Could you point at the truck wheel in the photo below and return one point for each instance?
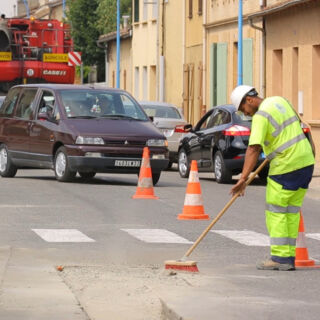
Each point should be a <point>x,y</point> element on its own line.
<point>7,168</point>
<point>61,166</point>
<point>222,174</point>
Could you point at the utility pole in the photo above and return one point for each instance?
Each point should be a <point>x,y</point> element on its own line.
<point>27,8</point>
<point>240,42</point>
<point>118,44</point>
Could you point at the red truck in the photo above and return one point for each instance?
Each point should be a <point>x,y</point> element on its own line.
<point>34,51</point>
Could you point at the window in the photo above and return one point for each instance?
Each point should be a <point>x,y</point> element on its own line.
<point>199,7</point>
<point>190,9</point>
<point>26,104</point>
<point>219,118</point>
<point>9,103</point>
<point>136,11</point>
<point>47,104</point>
<point>93,104</point>
<point>155,9</point>
<point>145,11</point>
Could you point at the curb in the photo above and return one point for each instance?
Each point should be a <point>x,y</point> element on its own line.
<point>167,313</point>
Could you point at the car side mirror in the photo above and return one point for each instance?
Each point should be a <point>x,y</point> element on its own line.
<point>151,118</point>
<point>188,127</point>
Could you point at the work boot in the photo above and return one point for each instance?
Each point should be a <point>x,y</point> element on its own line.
<point>272,265</point>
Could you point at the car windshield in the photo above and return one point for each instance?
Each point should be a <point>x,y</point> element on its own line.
<point>93,104</point>
<point>161,111</point>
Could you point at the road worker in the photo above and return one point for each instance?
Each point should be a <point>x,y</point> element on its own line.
<point>276,130</point>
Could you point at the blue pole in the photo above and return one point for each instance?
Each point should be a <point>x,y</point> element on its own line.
<point>240,58</point>
<point>63,8</point>
<point>118,44</point>
<point>27,8</point>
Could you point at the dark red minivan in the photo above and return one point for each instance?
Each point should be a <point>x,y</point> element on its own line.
<point>71,128</point>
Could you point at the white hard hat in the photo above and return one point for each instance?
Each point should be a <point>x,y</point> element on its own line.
<point>239,93</point>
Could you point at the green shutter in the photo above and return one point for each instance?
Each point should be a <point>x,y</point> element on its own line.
<point>136,10</point>
<point>248,62</point>
<point>222,60</point>
<point>213,74</point>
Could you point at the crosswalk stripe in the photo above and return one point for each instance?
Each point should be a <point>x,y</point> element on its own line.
<point>156,236</point>
<point>315,236</point>
<point>62,235</point>
<point>246,237</point>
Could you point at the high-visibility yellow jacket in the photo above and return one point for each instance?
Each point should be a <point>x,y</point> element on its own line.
<point>276,127</point>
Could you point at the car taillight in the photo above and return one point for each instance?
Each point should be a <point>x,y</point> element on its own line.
<point>237,130</point>
<point>179,128</point>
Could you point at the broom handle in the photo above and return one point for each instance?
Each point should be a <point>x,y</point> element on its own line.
<point>227,206</point>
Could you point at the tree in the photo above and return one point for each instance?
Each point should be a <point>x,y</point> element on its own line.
<point>83,20</point>
<point>107,14</point>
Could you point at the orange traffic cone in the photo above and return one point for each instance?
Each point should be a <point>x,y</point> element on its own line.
<point>145,185</point>
<point>302,256</point>
<point>193,207</point>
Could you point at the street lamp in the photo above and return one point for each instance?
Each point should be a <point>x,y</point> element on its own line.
<point>240,58</point>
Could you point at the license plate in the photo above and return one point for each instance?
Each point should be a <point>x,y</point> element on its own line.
<point>127,163</point>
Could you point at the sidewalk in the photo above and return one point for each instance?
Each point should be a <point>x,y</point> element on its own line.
<point>31,289</point>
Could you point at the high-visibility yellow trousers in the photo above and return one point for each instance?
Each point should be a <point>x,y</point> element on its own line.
<point>282,220</point>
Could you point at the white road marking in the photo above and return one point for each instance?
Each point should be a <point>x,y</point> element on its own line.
<point>315,236</point>
<point>33,206</point>
<point>156,236</point>
<point>246,237</point>
<point>62,235</point>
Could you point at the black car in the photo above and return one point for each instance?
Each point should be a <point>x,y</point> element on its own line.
<point>218,142</point>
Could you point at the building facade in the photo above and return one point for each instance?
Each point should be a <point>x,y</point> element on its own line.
<point>193,66</point>
<point>281,52</point>
<point>41,9</point>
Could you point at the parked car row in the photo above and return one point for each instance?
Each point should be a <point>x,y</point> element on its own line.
<point>85,129</point>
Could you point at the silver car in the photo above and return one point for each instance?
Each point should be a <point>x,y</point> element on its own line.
<point>170,121</point>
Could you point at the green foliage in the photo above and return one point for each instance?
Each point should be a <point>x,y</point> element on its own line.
<point>88,20</point>
<point>82,18</point>
<point>107,14</point>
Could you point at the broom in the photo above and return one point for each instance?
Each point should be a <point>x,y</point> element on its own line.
<point>185,265</point>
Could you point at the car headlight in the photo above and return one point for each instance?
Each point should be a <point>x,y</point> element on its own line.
<point>157,143</point>
<point>89,140</point>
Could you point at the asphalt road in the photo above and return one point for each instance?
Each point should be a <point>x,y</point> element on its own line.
<point>98,223</point>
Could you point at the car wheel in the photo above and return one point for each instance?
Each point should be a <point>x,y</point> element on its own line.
<point>155,178</point>
<point>183,164</point>
<point>222,174</point>
<point>61,166</point>
<point>87,175</point>
<point>7,168</point>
